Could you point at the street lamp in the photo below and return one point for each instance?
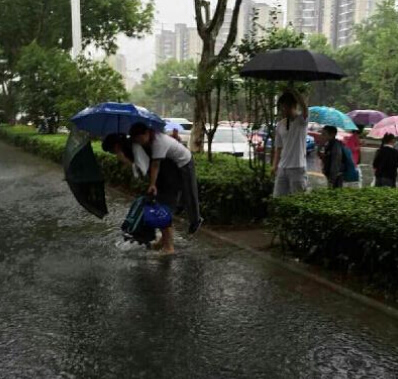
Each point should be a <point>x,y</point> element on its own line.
<point>76,29</point>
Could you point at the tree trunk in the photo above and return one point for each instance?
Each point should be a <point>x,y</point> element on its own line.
<point>209,143</point>
<point>208,30</point>
<point>198,130</point>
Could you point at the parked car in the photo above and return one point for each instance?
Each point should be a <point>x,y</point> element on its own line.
<point>258,140</point>
<point>186,124</point>
<point>229,140</point>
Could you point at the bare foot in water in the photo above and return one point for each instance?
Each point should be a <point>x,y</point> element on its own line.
<point>158,245</point>
<point>165,252</point>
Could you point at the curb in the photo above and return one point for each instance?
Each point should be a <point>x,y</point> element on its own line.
<point>367,301</point>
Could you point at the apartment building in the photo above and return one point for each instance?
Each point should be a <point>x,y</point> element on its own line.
<point>335,19</point>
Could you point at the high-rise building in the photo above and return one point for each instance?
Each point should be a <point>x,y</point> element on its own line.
<point>265,21</point>
<point>268,17</point>
<point>184,42</point>
<point>181,41</point>
<point>343,16</point>
<point>335,19</point>
<point>224,31</point>
<point>165,46</point>
<point>306,16</point>
<point>119,63</point>
<point>194,44</point>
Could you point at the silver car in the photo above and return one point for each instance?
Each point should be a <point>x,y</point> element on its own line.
<point>186,124</point>
<point>230,140</point>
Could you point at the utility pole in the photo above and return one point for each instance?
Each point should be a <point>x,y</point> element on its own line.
<point>76,29</point>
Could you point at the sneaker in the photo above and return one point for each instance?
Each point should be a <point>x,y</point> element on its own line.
<point>193,228</point>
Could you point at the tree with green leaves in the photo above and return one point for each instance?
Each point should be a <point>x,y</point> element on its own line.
<point>370,65</point>
<point>53,86</point>
<point>166,90</point>
<point>48,22</point>
<point>377,37</point>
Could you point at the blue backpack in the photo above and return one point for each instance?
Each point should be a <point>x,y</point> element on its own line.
<point>157,216</point>
<point>134,225</point>
<point>350,173</point>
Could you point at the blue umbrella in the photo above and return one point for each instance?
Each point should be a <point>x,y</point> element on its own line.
<point>332,117</point>
<point>170,126</point>
<point>109,118</point>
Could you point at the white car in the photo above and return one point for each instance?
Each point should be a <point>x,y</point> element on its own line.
<point>186,124</point>
<point>229,140</point>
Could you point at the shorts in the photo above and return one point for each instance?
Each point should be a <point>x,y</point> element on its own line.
<point>290,180</point>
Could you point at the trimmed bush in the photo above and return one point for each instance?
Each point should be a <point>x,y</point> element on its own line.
<point>351,230</point>
<point>228,189</point>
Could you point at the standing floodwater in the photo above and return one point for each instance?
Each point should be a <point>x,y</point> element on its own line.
<point>73,305</point>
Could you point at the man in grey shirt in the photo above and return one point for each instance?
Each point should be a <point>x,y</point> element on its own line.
<point>290,165</point>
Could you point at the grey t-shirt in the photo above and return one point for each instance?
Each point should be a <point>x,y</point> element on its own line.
<point>164,146</point>
<point>293,142</point>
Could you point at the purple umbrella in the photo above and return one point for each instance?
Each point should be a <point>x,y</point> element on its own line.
<point>366,116</point>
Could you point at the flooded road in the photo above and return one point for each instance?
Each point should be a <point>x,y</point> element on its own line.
<point>76,305</point>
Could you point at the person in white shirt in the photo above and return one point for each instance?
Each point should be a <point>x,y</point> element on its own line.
<point>290,165</point>
<point>164,147</point>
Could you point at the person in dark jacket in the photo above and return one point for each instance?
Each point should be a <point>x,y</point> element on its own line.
<point>332,159</point>
<point>385,164</point>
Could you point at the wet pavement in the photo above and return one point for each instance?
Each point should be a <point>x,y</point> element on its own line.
<point>76,304</point>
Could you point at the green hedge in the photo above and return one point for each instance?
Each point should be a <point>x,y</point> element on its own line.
<point>349,230</point>
<point>229,192</point>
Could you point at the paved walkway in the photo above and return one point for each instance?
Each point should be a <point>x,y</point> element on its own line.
<point>75,304</point>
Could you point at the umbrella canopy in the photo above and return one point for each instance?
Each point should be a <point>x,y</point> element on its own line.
<point>332,117</point>
<point>170,126</point>
<point>83,174</point>
<point>366,116</point>
<point>291,65</point>
<point>388,125</point>
<point>115,118</point>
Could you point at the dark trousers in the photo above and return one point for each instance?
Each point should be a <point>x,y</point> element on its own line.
<point>190,191</point>
<point>386,182</point>
<point>337,182</point>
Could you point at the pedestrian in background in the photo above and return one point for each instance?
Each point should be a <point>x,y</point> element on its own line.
<point>385,164</point>
<point>354,144</point>
<point>332,158</point>
<point>290,161</point>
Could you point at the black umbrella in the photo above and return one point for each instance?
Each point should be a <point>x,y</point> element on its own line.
<point>83,174</point>
<point>292,65</point>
